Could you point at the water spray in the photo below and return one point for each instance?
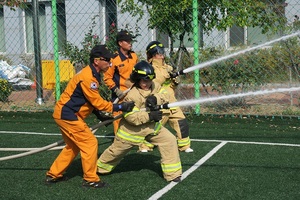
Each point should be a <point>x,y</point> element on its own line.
<point>218,98</point>
<point>164,106</point>
<point>209,63</point>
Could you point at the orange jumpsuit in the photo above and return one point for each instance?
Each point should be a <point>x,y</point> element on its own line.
<point>135,127</point>
<point>176,119</point>
<point>117,74</point>
<point>79,99</point>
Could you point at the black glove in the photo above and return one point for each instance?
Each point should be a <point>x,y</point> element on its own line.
<point>176,80</point>
<point>102,116</point>
<point>126,106</point>
<point>151,102</point>
<point>173,74</point>
<point>155,115</point>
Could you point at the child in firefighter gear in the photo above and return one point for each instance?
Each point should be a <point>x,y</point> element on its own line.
<point>121,69</point>
<point>168,80</point>
<point>80,98</point>
<point>139,124</point>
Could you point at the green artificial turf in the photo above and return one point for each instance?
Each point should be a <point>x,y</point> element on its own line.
<point>251,165</point>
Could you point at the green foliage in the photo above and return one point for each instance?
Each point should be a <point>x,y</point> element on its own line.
<point>82,56</point>
<point>63,86</point>
<point>5,90</point>
<point>104,91</point>
<point>13,4</point>
<point>247,71</point>
<point>175,17</point>
<point>111,38</point>
<point>286,56</point>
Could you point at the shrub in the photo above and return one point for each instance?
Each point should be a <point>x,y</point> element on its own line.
<point>5,90</point>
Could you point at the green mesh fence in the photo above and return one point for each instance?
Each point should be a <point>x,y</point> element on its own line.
<point>44,43</point>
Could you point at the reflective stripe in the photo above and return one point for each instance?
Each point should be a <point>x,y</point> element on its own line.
<point>157,127</point>
<point>135,109</point>
<point>107,167</point>
<point>162,91</point>
<point>184,142</point>
<point>167,82</point>
<point>148,144</point>
<point>171,167</point>
<point>129,137</point>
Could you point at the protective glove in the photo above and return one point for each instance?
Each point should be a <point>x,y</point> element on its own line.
<point>176,74</point>
<point>151,102</point>
<point>173,74</point>
<point>119,93</point>
<point>155,115</point>
<point>124,106</point>
<point>103,116</point>
<point>176,80</point>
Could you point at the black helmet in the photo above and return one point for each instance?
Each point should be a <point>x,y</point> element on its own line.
<point>142,70</point>
<point>154,48</point>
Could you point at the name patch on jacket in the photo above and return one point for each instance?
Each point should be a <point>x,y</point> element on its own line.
<point>94,85</point>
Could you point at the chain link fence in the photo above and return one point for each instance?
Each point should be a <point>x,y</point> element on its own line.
<point>68,29</point>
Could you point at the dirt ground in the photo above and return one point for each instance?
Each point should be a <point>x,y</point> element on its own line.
<point>26,100</point>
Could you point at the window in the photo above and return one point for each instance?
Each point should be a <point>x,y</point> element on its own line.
<point>111,14</point>
<point>61,25</point>
<point>237,36</point>
<point>163,38</point>
<point>2,34</point>
<point>29,28</point>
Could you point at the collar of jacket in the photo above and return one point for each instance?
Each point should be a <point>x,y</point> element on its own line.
<point>146,93</point>
<point>95,73</point>
<point>122,56</point>
<point>157,62</point>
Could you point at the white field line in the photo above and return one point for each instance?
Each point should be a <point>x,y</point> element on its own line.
<point>28,133</point>
<point>245,142</point>
<point>36,133</point>
<point>164,190</point>
<point>102,136</point>
<point>29,149</point>
<point>167,188</point>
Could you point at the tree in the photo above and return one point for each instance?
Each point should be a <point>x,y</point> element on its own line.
<point>13,3</point>
<point>175,17</point>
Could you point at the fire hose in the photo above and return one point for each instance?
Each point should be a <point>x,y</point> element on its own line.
<point>164,106</point>
<point>93,129</point>
<point>58,142</point>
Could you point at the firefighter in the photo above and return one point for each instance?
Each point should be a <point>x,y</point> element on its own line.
<point>139,124</point>
<point>121,69</point>
<point>168,80</point>
<point>80,98</point>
